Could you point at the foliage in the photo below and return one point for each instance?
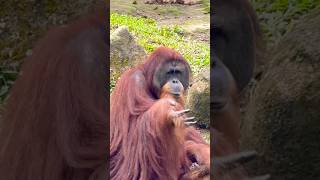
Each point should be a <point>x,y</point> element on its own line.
<point>206,6</point>
<point>277,17</point>
<point>8,75</point>
<point>150,36</point>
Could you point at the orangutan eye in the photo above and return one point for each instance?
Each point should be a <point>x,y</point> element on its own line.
<point>170,72</point>
<point>173,71</point>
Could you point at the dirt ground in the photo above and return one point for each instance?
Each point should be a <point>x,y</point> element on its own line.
<point>192,18</point>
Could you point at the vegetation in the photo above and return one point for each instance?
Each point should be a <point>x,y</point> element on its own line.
<point>8,75</point>
<point>22,22</point>
<point>150,36</point>
<point>277,17</point>
<point>206,5</point>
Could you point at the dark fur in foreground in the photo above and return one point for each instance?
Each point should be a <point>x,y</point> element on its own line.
<point>236,36</point>
<point>56,120</point>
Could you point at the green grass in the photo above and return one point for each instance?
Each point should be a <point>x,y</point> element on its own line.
<point>150,36</point>
<point>206,6</point>
<point>277,17</point>
<point>8,75</point>
<point>206,135</point>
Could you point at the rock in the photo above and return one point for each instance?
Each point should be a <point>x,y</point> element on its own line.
<point>123,47</point>
<point>124,53</point>
<point>198,98</point>
<point>2,25</point>
<point>282,119</point>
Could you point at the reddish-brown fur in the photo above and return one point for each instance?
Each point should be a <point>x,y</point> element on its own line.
<point>196,148</point>
<point>237,24</point>
<point>201,153</point>
<point>143,145</point>
<point>222,148</point>
<point>56,123</point>
<point>165,93</point>
<point>227,120</point>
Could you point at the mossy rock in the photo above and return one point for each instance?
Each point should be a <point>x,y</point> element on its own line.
<point>282,121</point>
<point>198,99</point>
<point>124,53</point>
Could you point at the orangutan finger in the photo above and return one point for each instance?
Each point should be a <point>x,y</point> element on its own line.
<point>182,112</point>
<point>233,161</point>
<point>188,119</point>
<point>190,123</point>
